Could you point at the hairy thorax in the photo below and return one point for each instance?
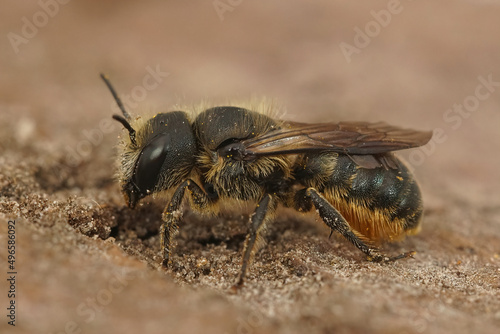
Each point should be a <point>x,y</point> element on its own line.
<point>243,180</point>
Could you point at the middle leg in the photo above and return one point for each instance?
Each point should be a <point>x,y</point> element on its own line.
<point>262,213</point>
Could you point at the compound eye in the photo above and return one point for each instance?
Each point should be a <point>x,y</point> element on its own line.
<point>150,162</point>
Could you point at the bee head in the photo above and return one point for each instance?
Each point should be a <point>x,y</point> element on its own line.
<point>159,155</point>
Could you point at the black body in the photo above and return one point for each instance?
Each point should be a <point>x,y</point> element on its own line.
<point>343,170</point>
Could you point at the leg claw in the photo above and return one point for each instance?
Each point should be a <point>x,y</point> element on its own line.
<point>382,258</point>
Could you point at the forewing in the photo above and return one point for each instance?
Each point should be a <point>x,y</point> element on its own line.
<point>353,138</point>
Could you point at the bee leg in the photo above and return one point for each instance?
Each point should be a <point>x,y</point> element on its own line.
<point>334,220</point>
<point>171,215</point>
<point>257,223</point>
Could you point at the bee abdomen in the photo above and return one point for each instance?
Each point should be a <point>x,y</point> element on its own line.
<point>382,204</point>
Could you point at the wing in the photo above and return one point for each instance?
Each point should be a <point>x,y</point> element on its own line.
<point>352,138</point>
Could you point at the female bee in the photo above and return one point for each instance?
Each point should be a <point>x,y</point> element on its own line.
<point>345,171</point>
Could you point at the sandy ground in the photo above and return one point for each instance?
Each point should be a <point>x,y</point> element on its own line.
<point>87,264</point>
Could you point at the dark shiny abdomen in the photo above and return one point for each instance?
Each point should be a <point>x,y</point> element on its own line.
<point>382,204</point>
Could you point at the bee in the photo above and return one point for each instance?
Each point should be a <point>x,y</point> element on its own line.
<point>345,171</point>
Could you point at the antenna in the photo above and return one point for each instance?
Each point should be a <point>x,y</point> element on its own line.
<point>115,95</point>
<point>127,126</point>
<point>122,120</point>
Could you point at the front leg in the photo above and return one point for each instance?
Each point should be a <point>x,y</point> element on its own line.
<point>171,215</point>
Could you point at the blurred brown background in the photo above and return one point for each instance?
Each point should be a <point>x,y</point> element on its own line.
<point>420,64</point>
